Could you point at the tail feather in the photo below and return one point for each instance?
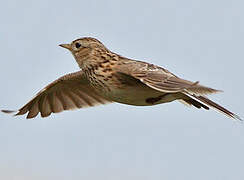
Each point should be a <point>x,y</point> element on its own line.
<point>189,101</point>
<point>207,102</point>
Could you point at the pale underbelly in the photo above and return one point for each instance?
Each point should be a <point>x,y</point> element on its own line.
<point>128,90</point>
<point>139,96</point>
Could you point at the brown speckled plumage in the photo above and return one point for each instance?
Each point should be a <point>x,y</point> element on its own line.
<point>108,77</point>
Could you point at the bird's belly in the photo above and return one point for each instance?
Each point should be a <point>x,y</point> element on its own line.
<point>127,90</point>
<point>139,96</point>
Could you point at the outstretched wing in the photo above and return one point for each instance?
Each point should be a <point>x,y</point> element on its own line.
<point>161,79</point>
<point>71,91</point>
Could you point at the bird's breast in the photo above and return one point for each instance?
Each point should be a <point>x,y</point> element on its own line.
<point>127,91</point>
<point>122,88</point>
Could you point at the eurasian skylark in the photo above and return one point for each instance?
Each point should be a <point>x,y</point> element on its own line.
<point>108,77</point>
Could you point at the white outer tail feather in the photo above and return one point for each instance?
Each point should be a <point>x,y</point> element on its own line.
<point>212,104</point>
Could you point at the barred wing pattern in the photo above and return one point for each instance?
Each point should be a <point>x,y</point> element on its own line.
<point>71,91</point>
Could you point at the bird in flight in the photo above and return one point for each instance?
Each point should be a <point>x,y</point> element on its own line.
<point>107,77</point>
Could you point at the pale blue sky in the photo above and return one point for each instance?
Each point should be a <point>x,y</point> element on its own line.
<point>195,39</point>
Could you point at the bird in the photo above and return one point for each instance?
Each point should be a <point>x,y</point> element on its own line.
<point>107,77</point>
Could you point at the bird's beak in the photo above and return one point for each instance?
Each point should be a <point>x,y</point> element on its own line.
<point>67,46</point>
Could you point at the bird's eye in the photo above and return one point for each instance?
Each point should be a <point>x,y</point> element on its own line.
<point>77,45</point>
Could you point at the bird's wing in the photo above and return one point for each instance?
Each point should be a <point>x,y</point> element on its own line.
<point>71,91</point>
<point>161,79</point>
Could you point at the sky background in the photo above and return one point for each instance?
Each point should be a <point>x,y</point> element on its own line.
<point>195,39</point>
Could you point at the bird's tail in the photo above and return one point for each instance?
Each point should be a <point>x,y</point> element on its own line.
<point>202,101</point>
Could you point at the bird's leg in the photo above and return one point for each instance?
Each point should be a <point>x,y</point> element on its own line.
<point>154,100</point>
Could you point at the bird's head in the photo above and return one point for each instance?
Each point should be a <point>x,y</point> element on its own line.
<point>83,48</point>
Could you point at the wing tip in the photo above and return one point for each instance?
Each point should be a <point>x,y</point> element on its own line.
<point>8,111</point>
